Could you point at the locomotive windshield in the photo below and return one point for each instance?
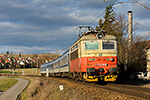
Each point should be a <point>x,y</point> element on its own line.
<point>92,45</point>
<point>108,45</point>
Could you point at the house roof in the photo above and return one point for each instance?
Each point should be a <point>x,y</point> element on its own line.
<point>148,45</point>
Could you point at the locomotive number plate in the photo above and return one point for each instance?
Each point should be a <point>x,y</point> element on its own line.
<point>100,64</point>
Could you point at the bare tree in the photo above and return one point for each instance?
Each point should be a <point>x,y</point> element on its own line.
<point>130,58</point>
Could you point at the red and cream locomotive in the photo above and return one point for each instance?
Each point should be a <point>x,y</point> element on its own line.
<point>92,57</point>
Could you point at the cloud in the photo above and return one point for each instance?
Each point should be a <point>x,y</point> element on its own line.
<point>25,49</point>
<point>37,26</point>
<point>143,25</point>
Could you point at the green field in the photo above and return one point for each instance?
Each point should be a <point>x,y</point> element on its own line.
<point>26,71</point>
<point>7,83</point>
<point>3,71</point>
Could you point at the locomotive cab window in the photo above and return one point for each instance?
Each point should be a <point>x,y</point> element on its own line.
<point>108,45</point>
<point>92,45</point>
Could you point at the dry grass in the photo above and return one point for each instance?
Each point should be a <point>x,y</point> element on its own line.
<point>45,89</point>
<point>48,89</point>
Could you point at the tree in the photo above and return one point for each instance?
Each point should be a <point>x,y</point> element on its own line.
<point>20,54</point>
<point>2,62</point>
<point>100,23</point>
<point>35,55</point>
<point>109,19</point>
<point>12,62</point>
<point>129,58</point>
<point>7,53</point>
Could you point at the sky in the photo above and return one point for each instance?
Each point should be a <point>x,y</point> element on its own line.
<point>41,26</point>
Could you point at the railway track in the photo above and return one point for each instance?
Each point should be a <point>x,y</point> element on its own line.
<point>143,93</point>
<point>136,91</point>
<point>132,90</point>
<point>129,87</point>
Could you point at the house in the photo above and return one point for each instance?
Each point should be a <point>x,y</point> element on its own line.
<point>147,49</point>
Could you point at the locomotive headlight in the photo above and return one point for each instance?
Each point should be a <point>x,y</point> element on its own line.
<point>107,59</point>
<point>93,59</point>
<point>111,59</point>
<point>90,59</point>
<point>99,35</point>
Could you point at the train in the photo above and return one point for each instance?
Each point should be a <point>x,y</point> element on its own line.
<point>92,58</point>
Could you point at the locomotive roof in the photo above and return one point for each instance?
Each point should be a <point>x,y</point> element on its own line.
<point>92,36</point>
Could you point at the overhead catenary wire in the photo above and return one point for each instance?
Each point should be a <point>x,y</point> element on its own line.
<point>135,1</point>
<point>100,15</point>
<point>93,20</point>
<point>90,10</point>
<point>97,17</point>
<point>88,14</point>
<point>120,1</point>
<point>85,18</point>
<point>142,5</point>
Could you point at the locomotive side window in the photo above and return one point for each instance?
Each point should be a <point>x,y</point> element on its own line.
<point>91,45</point>
<point>74,55</point>
<point>108,45</point>
<point>74,47</point>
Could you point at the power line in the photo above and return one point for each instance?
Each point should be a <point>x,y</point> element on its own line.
<point>100,15</point>
<point>120,1</point>
<point>142,5</point>
<point>135,1</point>
<point>97,18</point>
<point>90,10</point>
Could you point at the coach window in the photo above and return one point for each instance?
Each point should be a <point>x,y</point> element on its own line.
<point>91,45</point>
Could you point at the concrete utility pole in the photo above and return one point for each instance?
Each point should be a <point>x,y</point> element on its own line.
<point>19,65</point>
<point>130,27</point>
<point>37,70</point>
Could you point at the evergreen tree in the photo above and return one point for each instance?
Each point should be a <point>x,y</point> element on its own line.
<point>7,53</point>
<point>20,54</point>
<point>12,62</point>
<point>100,23</point>
<point>109,17</point>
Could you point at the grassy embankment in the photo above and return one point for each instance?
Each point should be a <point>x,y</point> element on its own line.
<point>7,83</point>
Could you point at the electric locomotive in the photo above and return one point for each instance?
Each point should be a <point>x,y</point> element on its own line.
<point>92,58</point>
